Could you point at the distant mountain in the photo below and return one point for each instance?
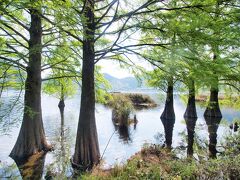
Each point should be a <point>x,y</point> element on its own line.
<point>128,83</point>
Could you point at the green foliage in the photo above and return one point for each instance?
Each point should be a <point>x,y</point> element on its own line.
<point>156,78</point>
<point>192,43</point>
<point>60,88</point>
<point>10,78</point>
<point>102,86</point>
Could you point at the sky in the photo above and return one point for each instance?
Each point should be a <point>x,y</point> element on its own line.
<point>113,68</point>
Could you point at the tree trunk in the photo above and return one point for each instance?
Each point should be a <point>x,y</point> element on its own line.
<point>190,117</point>
<point>87,148</point>
<point>61,106</point>
<point>213,109</point>
<point>168,115</point>
<point>191,111</point>
<point>31,138</point>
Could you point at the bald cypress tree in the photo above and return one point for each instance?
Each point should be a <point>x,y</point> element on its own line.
<point>31,138</point>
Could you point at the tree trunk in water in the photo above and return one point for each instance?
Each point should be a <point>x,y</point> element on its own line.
<point>191,111</point>
<point>213,109</point>
<point>33,167</point>
<point>191,123</point>
<point>190,117</point>
<point>61,106</point>
<point>213,117</point>
<point>168,115</point>
<point>87,148</point>
<point>31,138</point>
<point>212,123</point>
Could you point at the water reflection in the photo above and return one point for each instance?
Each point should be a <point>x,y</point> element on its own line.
<point>212,123</point>
<point>61,166</point>
<point>191,123</point>
<point>63,133</point>
<point>168,125</point>
<point>234,127</point>
<point>33,167</point>
<point>124,133</point>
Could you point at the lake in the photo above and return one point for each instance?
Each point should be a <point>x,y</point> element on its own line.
<point>121,143</point>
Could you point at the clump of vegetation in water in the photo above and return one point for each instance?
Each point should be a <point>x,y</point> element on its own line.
<point>138,100</point>
<point>122,107</point>
<point>141,100</point>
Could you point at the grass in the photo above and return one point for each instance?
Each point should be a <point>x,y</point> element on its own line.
<point>155,162</point>
<point>224,101</point>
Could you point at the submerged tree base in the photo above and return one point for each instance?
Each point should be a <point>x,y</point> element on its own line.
<point>23,157</point>
<point>32,167</point>
<point>215,113</point>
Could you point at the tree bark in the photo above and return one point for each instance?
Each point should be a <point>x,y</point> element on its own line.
<point>87,153</point>
<point>31,138</point>
<point>213,109</point>
<point>61,106</point>
<point>190,117</point>
<point>191,111</point>
<point>168,115</point>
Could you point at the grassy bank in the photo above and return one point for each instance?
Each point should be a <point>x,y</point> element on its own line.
<point>155,162</point>
<point>224,100</point>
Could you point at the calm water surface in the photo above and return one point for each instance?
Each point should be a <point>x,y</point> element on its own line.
<point>123,143</point>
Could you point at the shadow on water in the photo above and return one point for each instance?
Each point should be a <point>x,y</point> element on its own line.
<point>212,123</point>
<point>191,123</point>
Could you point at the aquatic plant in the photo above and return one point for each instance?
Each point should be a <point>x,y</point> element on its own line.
<point>122,107</point>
